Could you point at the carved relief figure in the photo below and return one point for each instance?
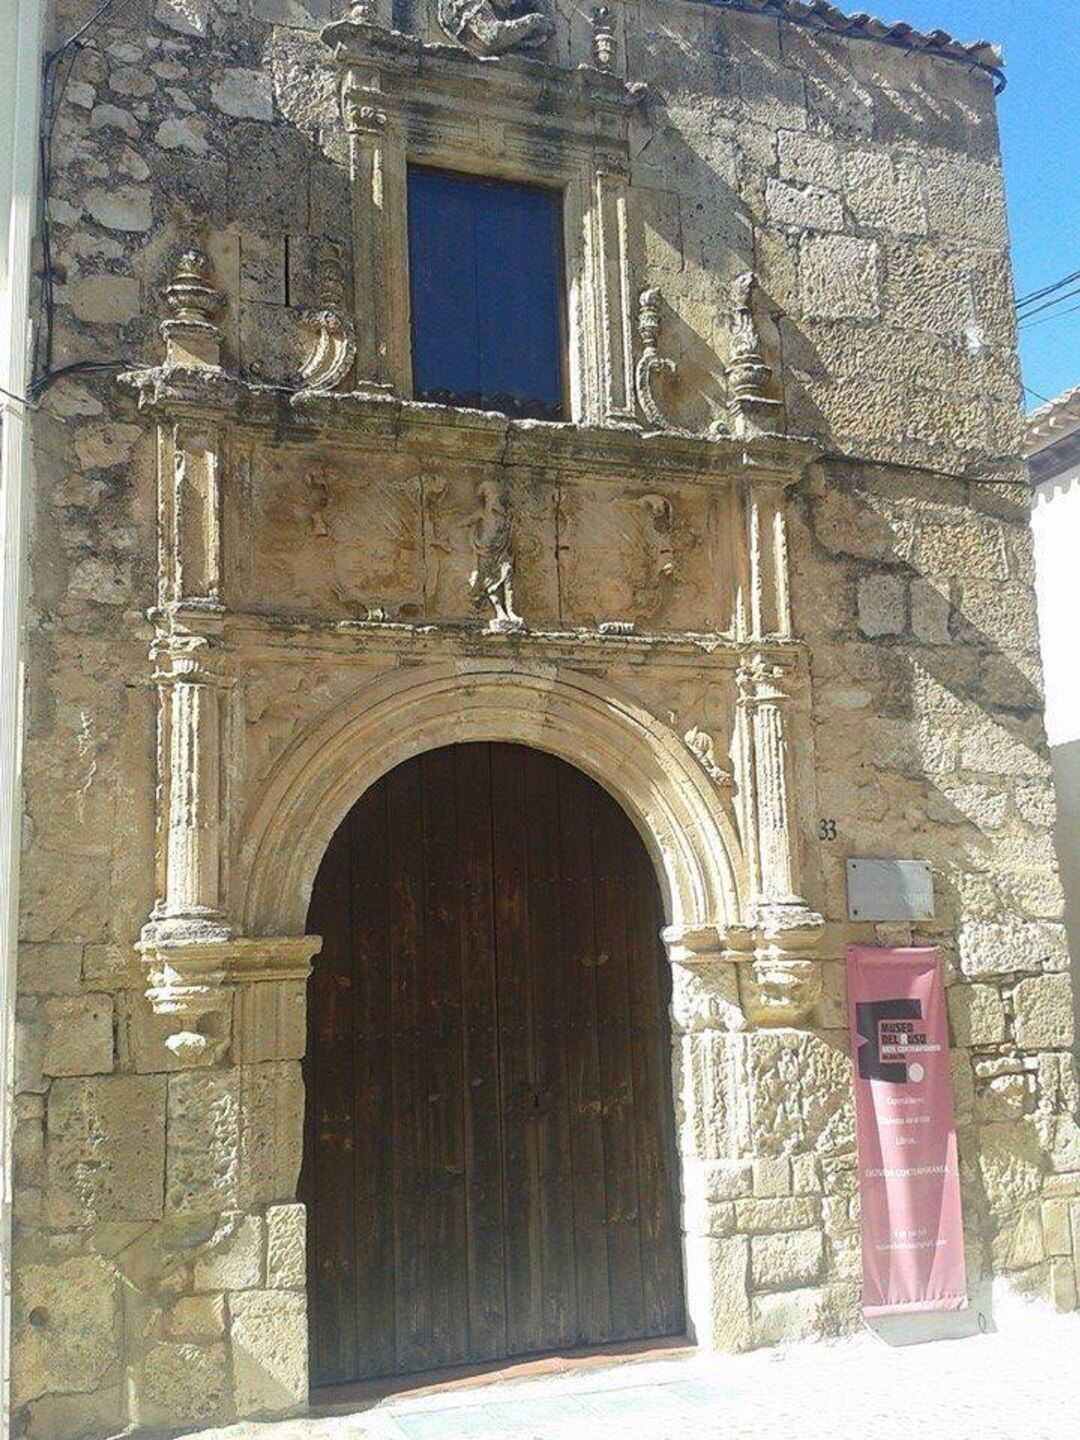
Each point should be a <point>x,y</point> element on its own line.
<point>483,28</point>
<point>493,578</point>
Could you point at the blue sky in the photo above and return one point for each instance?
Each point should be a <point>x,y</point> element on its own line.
<point>1040,136</point>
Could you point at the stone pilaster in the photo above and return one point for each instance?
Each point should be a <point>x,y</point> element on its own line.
<point>607,258</point>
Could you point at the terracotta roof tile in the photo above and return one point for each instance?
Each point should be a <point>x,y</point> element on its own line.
<point>1051,421</point>
<point>818,14</point>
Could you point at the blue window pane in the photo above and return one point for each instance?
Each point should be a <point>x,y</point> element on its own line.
<point>485,263</point>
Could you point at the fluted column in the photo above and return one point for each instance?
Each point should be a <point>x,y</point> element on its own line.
<point>611,322</point>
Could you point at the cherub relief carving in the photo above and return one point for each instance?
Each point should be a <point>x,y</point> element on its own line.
<point>493,578</point>
<point>481,26</point>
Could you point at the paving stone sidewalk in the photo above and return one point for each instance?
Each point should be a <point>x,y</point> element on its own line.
<point>1021,1382</point>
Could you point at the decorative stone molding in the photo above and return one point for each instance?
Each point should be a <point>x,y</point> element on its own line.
<point>782,985</point>
<point>334,349</point>
<point>650,362</point>
<point>603,39</point>
<point>480,26</point>
<point>704,747</point>
<point>586,720</point>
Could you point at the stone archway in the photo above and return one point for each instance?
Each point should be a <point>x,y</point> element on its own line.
<point>658,781</point>
<point>641,762</point>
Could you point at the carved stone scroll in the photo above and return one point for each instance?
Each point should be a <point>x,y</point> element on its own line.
<point>334,348</point>
<point>481,27</point>
<point>650,362</point>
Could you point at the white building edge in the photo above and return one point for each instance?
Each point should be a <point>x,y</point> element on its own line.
<point>1052,446</point>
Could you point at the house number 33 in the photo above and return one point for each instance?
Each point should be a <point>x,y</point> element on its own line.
<point>826,829</point>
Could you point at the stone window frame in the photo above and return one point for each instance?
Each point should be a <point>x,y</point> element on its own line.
<point>406,103</point>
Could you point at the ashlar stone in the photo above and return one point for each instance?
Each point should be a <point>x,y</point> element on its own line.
<point>106,1148</point>
<point>269,1350</point>
<point>882,605</point>
<point>64,1326</point>
<point>838,277</point>
<point>1043,1007</point>
<point>186,1379</point>
<point>789,1258</point>
<point>78,1035</point>
<point>234,1260</point>
<point>286,1247</point>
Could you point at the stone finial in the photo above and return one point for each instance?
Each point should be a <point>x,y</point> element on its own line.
<point>191,337</point>
<point>748,373</point>
<point>603,41</point>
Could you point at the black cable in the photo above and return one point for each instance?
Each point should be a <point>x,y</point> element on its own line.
<point>54,83</point>
<point>1047,318</point>
<point>1050,304</point>
<point>1048,289</point>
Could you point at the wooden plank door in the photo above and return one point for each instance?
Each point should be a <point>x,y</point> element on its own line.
<point>489,1160</point>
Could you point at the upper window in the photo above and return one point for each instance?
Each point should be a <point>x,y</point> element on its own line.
<point>485,272</point>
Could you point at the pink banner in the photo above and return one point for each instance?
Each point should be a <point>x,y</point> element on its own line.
<point>909,1183</point>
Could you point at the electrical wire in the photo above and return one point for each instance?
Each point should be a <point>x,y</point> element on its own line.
<point>54,83</point>
<point>1025,300</point>
<point>1050,304</point>
<point>1047,318</point>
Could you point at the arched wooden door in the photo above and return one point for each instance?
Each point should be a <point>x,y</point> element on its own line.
<point>489,1161</point>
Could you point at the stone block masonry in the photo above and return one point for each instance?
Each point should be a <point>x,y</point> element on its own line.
<point>768,581</point>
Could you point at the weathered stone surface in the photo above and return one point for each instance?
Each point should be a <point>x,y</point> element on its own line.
<point>65,1326</point>
<point>859,183</point>
<point>79,1035</point>
<point>882,605</point>
<point>1000,947</point>
<point>106,299</point>
<point>269,1350</point>
<point>186,1380</point>
<point>839,277</point>
<point>786,1259</point>
<point>244,94</point>
<point>234,1258</point>
<point>197,1317</point>
<point>286,1247</point>
<point>1043,1008</point>
<point>106,1148</point>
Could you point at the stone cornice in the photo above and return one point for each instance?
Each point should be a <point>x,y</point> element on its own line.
<point>288,635</point>
<point>510,81</point>
<point>365,421</point>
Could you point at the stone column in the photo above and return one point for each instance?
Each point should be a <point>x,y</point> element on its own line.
<point>781,985</point>
<point>610,323</point>
<point>377,166</point>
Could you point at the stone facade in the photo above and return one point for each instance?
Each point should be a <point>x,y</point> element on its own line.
<point>772,587</point>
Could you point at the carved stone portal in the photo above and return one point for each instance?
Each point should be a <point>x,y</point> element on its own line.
<point>481,28</point>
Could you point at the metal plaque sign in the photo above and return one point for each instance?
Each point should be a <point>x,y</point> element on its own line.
<point>890,890</point>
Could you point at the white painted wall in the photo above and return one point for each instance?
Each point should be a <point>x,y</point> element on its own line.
<point>1055,520</point>
<point>20,70</point>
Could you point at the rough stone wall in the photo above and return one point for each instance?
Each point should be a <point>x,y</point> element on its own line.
<point>159,1263</point>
